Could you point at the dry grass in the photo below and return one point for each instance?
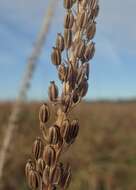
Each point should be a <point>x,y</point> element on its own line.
<point>104,153</point>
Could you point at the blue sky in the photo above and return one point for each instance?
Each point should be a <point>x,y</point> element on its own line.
<point>113,70</point>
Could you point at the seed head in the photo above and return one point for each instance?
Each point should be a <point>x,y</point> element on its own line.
<point>56,56</point>
<point>60,42</point>
<point>44,113</point>
<point>37,148</point>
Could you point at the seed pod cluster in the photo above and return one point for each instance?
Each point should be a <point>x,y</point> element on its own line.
<point>76,48</point>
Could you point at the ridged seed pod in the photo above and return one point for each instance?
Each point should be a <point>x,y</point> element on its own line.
<point>60,42</point>
<point>83,88</point>
<point>69,20</point>
<point>30,165</point>
<point>68,4</point>
<point>66,102</point>
<point>89,52</point>
<point>49,155</point>
<point>67,38</point>
<point>56,56</point>
<point>53,91</point>
<point>66,88</point>
<point>74,128</point>
<point>46,174</point>
<point>37,148</point>
<point>62,72</point>
<point>80,49</point>
<point>80,75</point>
<point>82,20</point>
<point>33,179</point>
<point>44,113</point>
<point>40,165</point>
<point>55,175</point>
<point>54,135</point>
<point>65,128</point>
<point>75,97</point>
<point>91,30</point>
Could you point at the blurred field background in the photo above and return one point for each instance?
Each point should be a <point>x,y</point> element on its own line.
<point>103,157</point>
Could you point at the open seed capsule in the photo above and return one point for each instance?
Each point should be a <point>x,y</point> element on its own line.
<point>37,148</point>
<point>49,155</point>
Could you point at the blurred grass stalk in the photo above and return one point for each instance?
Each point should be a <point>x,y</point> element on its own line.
<point>25,85</point>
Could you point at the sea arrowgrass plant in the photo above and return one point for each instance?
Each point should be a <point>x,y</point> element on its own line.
<point>71,55</point>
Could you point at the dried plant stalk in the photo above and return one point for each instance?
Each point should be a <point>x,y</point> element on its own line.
<point>30,68</point>
<point>71,55</point>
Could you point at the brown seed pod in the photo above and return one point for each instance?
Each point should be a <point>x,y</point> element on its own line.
<point>75,97</point>
<point>62,72</point>
<point>68,4</point>
<point>80,75</point>
<point>54,135</point>
<point>66,102</point>
<point>37,148</point>
<point>74,128</point>
<point>56,56</point>
<point>60,42</point>
<point>69,20</point>
<point>33,179</point>
<point>53,91</point>
<point>89,52</point>
<point>66,88</point>
<point>67,38</point>
<point>83,88</point>
<point>30,165</point>
<point>55,175</point>
<point>44,113</point>
<point>82,19</point>
<point>40,165</point>
<point>64,128</point>
<point>91,30</point>
<point>46,174</point>
<point>71,76</point>
<point>49,155</point>
<point>65,177</point>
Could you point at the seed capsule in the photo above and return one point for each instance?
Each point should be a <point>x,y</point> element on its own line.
<point>74,128</point>
<point>56,56</point>
<point>54,135</point>
<point>68,4</point>
<point>66,102</point>
<point>69,20</point>
<point>33,179</point>
<point>64,128</point>
<point>53,91</point>
<point>80,75</point>
<point>80,49</point>
<point>55,175</point>
<point>37,148</point>
<point>91,30</point>
<point>46,174</point>
<point>44,113</point>
<point>83,88</point>
<point>49,155</point>
<point>89,52</point>
<point>60,42</point>
<point>71,76</point>
<point>82,20</point>
<point>66,88</point>
<point>75,97</point>
<point>30,165</point>
<point>40,165</point>
<point>67,38</point>
<point>62,72</point>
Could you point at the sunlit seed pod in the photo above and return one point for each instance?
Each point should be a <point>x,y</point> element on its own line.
<point>30,165</point>
<point>83,88</point>
<point>66,102</point>
<point>91,30</point>
<point>53,91</point>
<point>46,174</point>
<point>54,135</point>
<point>56,56</point>
<point>79,49</point>
<point>40,165</point>
<point>37,148</point>
<point>55,175</point>
<point>69,20</point>
<point>82,20</point>
<point>64,130</point>
<point>33,179</point>
<point>75,97</point>
<point>74,128</point>
<point>71,76</point>
<point>66,88</point>
<point>49,155</point>
<point>89,52</point>
<point>44,113</point>
<point>80,75</point>
<point>67,38</point>
<point>60,42</point>
<point>62,72</point>
<point>68,4</point>
<point>66,133</point>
